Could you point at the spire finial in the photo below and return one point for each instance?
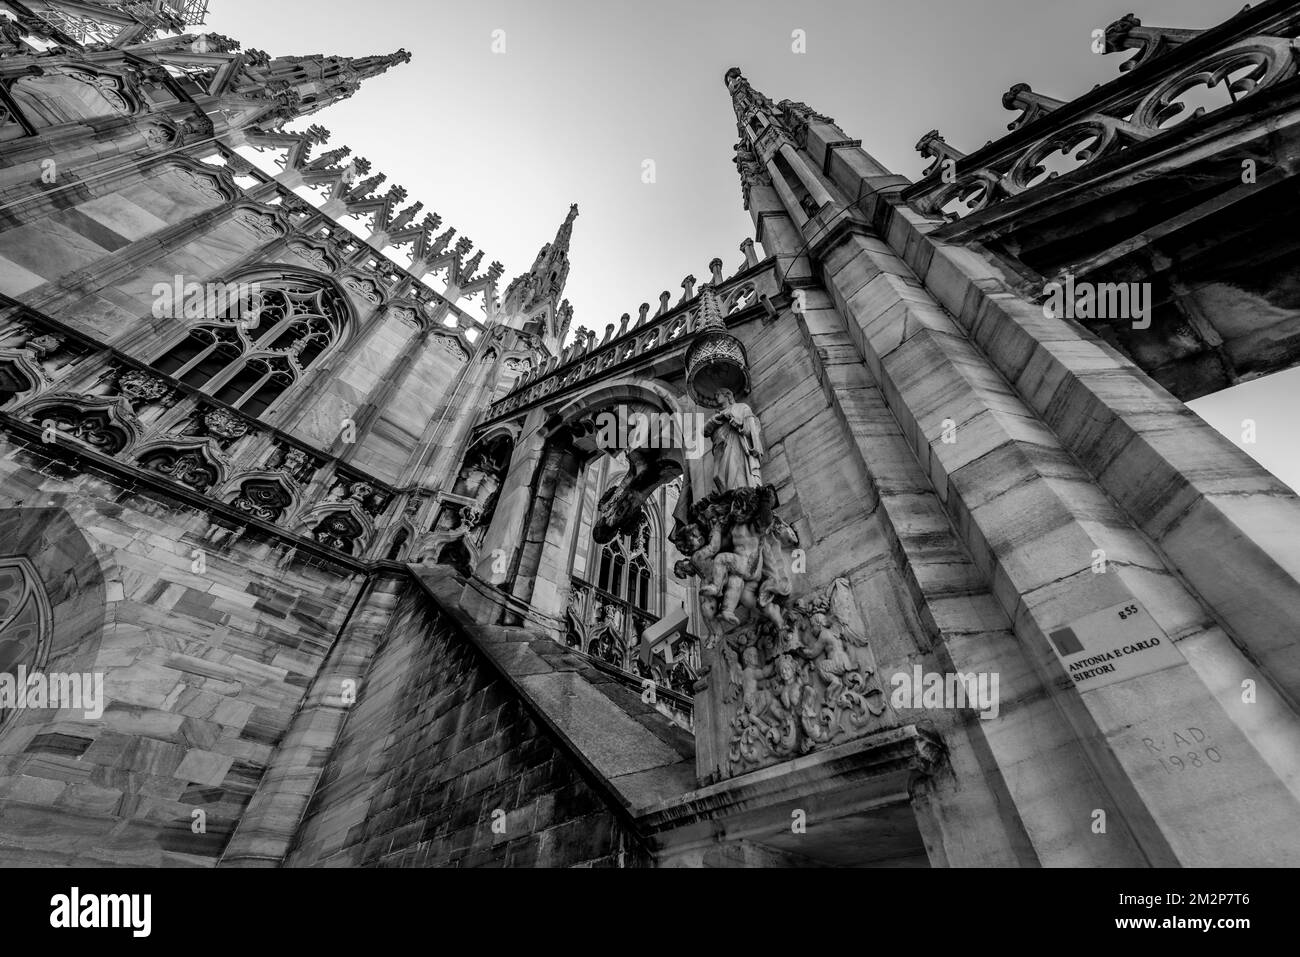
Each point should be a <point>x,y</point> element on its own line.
<point>744,98</point>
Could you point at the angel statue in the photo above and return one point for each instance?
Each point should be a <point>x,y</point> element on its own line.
<point>737,444</point>
<point>829,626</point>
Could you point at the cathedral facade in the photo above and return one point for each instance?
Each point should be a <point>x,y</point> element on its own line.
<point>890,543</point>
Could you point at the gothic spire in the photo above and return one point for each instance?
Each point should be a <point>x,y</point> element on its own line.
<point>533,299</point>
<point>744,98</point>
<point>301,85</point>
<point>565,232</point>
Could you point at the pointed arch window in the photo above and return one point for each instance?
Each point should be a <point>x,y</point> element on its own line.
<point>252,350</point>
<point>624,569</point>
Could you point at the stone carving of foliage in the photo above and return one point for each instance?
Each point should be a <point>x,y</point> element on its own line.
<point>315,257</point>
<point>406,315</point>
<point>453,346</point>
<point>189,466</point>
<point>105,424</point>
<point>158,137</point>
<point>207,186</point>
<point>225,426</point>
<point>364,288</point>
<point>261,224</point>
<point>140,387</point>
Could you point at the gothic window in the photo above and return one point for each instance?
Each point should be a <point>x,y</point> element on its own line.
<point>624,571</point>
<point>251,351</point>
<point>607,621</point>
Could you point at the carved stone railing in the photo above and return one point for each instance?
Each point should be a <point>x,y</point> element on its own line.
<point>673,705</point>
<point>80,399</point>
<point>331,247</point>
<point>585,361</point>
<point>1145,102</point>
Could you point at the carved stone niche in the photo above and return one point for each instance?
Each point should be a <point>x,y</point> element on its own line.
<point>221,425</point>
<point>197,463</point>
<point>267,495</point>
<point>103,423</point>
<point>143,391</point>
<point>298,465</point>
<point>43,347</point>
<point>21,376</point>
<point>345,530</point>
<point>359,492</point>
<point>782,675</point>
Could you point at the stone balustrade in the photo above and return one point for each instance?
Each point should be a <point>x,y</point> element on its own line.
<point>586,359</point>
<point>1171,81</point>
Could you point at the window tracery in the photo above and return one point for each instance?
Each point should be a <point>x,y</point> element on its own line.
<point>255,348</point>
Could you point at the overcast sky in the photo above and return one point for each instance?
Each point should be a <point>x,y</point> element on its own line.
<point>501,143</point>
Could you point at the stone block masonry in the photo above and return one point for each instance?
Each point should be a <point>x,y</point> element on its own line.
<point>203,670</point>
<point>440,764</point>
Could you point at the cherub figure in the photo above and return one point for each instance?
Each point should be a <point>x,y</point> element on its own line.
<point>704,539</point>
<point>829,625</point>
<point>734,569</point>
<point>829,653</point>
<point>789,691</point>
<point>745,677</point>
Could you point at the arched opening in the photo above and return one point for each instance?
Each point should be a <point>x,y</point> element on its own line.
<point>594,550</point>
<point>399,543</point>
<point>13,381</point>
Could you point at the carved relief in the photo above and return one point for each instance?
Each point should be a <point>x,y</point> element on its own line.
<point>263,225</point>
<point>358,491</point>
<point>266,497</point>
<point>141,388</point>
<point>792,673</point>
<point>206,186</point>
<point>224,425</point>
<point>364,288</point>
<point>1235,73</point>
<point>452,345</point>
<point>340,531</point>
<point>808,687</point>
<point>198,464</point>
<point>105,424</point>
<point>313,256</point>
<point>158,137</point>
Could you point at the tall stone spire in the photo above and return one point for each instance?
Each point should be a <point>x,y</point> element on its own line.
<point>533,302</point>
<point>565,232</point>
<point>302,85</point>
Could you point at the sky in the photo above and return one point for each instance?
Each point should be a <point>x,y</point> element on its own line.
<point>579,94</point>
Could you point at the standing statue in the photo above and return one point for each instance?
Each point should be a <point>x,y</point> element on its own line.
<point>737,444</point>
